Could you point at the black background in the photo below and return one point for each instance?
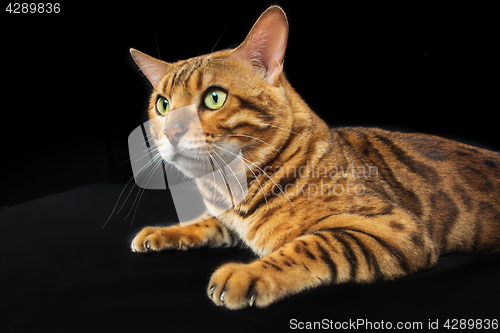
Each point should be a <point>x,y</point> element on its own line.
<point>71,94</point>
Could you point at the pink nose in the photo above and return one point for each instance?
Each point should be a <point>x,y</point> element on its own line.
<point>174,134</point>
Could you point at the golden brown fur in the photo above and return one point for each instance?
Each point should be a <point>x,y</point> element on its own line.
<point>323,205</point>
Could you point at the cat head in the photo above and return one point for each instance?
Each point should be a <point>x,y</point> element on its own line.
<point>227,103</point>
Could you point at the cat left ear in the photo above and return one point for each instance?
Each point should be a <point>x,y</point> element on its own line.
<point>265,45</point>
<point>154,69</point>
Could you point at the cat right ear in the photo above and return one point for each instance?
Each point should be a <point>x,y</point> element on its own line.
<point>154,69</point>
<point>265,45</point>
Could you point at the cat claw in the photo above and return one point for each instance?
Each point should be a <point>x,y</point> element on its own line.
<point>251,301</point>
<point>222,296</point>
<point>211,292</point>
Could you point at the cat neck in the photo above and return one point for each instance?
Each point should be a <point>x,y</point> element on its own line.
<point>310,142</point>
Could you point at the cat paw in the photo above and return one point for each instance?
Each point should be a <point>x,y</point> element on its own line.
<point>152,239</point>
<point>238,286</point>
<point>148,239</point>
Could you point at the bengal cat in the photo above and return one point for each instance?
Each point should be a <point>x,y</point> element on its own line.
<point>323,205</point>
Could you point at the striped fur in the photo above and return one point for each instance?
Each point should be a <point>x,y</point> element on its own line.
<point>323,205</point>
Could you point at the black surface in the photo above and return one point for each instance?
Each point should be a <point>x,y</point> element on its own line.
<point>61,271</point>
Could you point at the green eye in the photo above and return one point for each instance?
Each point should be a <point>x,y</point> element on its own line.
<point>214,98</point>
<point>162,106</point>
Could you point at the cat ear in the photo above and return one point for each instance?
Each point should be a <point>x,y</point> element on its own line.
<point>154,69</point>
<point>265,45</point>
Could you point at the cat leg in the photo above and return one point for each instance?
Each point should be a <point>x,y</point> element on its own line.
<point>208,232</point>
<point>335,255</point>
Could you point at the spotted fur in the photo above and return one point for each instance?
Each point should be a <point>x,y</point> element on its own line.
<point>323,205</point>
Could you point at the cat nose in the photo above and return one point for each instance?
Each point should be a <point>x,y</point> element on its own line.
<point>174,134</point>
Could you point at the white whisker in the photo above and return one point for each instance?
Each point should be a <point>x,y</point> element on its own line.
<point>255,176</point>
<point>252,137</point>
<point>284,129</point>
<point>222,34</point>
<point>213,173</point>
<point>144,151</point>
<point>121,193</point>
<point>150,172</point>
<point>223,176</point>
<point>149,139</point>
<point>242,158</point>
<point>136,175</point>
<point>117,201</point>
<point>156,151</point>
<point>144,154</point>
<point>142,190</point>
<point>219,168</point>
<point>229,183</point>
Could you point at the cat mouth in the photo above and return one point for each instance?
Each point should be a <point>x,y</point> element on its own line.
<point>191,157</point>
<point>209,160</point>
<point>195,153</point>
<point>173,154</point>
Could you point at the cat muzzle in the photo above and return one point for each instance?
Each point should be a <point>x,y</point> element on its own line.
<point>174,133</point>
<point>223,173</point>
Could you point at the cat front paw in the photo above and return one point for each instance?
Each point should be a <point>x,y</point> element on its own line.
<point>152,239</point>
<point>148,239</point>
<point>238,286</point>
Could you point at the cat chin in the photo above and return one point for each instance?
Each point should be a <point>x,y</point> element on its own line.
<point>190,167</point>
<point>196,162</point>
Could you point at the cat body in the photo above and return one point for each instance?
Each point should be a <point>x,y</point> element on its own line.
<point>323,205</point>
